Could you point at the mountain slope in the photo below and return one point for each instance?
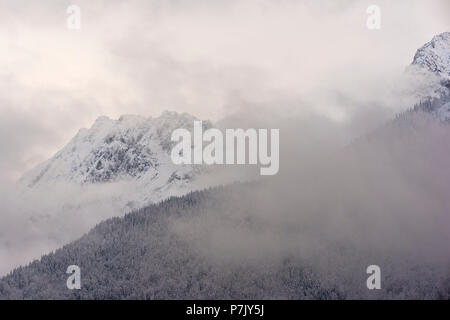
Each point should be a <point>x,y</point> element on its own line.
<point>434,56</point>
<point>382,200</point>
<point>430,69</point>
<point>141,256</point>
<point>132,148</point>
<point>114,167</point>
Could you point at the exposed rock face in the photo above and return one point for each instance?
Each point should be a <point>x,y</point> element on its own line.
<point>432,62</point>
<point>434,56</point>
<point>131,147</point>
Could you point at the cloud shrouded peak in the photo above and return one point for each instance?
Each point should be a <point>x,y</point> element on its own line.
<point>435,55</point>
<point>130,147</point>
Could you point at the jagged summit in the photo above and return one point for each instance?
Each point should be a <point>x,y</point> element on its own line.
<point>130,148</point>
<point>127,160</point>
<point>434,56</point>
<point>432,64</point>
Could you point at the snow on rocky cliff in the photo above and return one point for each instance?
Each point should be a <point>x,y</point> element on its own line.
<point>432,64</point>
<point>434,56</point>
<point>133,149</point>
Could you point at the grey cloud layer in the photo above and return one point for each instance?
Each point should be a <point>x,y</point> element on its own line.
<point>210,58</point>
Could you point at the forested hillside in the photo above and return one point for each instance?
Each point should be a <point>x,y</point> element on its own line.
<point>138,257</point>
<point>308,233</point>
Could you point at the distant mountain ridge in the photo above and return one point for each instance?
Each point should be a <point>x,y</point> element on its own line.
<point>434,56</point>
<point>133,149</point>
<point>432,62</point>
<point>130,147</point>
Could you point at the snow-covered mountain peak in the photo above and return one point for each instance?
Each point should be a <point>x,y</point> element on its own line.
<point>431,72</point>
<point>131,147</point>
<point>434,56</point>
<point>126,162</point>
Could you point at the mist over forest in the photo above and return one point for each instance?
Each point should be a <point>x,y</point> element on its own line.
<point>87,178</point>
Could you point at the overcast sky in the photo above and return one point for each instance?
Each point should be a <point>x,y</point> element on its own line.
<point>208,58</point>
